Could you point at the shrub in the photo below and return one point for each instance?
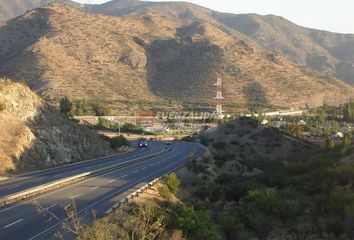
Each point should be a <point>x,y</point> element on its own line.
<point>119,141</point>
<point>223,179</point>
<point>164,192</point>
<point>173,182</point>
<point>100,110</point>
<point>116,142</point>
<point>131,128</point>
<point>219,145</point>
<point>196,224</point>
<point>65,105</point>
<point>330,143</point>
<point>204,140</point>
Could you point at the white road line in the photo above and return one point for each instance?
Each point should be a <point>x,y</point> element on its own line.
<point>144,168</point>
<point>124,175</point>
<point>76,196</point>
<point>94,188</point>
<point>110,181</point>
<point>20,220</point>
<point>51,206</point>
<point>152,165</point>
<point>61,189</point>
<point>136,171</point>
<point>16,186</point>
<point>94,204</point>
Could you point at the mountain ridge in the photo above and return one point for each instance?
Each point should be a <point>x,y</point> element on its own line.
<point>324,51</point>
<point>151,57</point>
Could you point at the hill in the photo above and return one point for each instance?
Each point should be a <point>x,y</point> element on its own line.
<point>321,50</point>
<point>35,136</point>
<point>325,51</point>
<point>14,8</point>
<point>150,57</point>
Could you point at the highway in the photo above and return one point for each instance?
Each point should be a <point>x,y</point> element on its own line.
<point>99,193</point>
<point>25,181</point>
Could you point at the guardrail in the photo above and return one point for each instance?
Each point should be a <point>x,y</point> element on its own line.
<point>9,199</point>
<point>148,185</point>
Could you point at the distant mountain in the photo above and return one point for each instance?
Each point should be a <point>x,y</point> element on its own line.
<point>325,51</point>
<point>13,8</point>
<point>329,52</point>
<point>60,50</point>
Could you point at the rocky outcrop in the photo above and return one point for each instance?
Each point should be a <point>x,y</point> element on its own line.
<point>34,136</point>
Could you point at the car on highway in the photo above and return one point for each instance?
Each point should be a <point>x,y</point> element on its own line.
<point>142,143</point>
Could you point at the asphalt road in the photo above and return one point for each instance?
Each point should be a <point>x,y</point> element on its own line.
<point>100,193</point>
<point>25,181</point>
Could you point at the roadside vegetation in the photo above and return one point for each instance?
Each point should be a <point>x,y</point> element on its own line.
<point>253,182</point>
<point>116,142</point>
<point>95,107</point>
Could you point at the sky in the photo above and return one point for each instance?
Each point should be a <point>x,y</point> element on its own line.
<point>331,15</point>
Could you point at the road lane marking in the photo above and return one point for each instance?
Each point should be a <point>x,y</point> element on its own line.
<point>94,188</point>
<point>51,206</point>
<point>110,181</point>
<point>76,196</point>
<point>136,171</point>
<point>67,187</point>
<point>16,186</point>
<point>144,168</point>
<point>95,203</point>
<point>152,165</point>
<point>125,175</point>
<point>20,220</point>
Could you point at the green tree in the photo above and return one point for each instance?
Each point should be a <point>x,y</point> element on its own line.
<point>196,224</point>
<point>330,143</point>
<point>119,141</point>
<point>65,105</point>
<point>349,111</point>
<point>346,140</point>
<point>257,211</point>
<point>173,182</point>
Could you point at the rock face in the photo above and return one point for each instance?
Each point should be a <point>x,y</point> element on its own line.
<point>35,136</point>
<point>60,50</point>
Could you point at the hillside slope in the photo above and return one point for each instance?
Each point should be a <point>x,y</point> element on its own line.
<point>14,8</point>
<point>320,50</point>
<point>35,136</point>
<point>62,51</point>
<point>325,51</point>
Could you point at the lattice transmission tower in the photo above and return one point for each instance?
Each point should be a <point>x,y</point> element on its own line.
<point>219,112</point>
